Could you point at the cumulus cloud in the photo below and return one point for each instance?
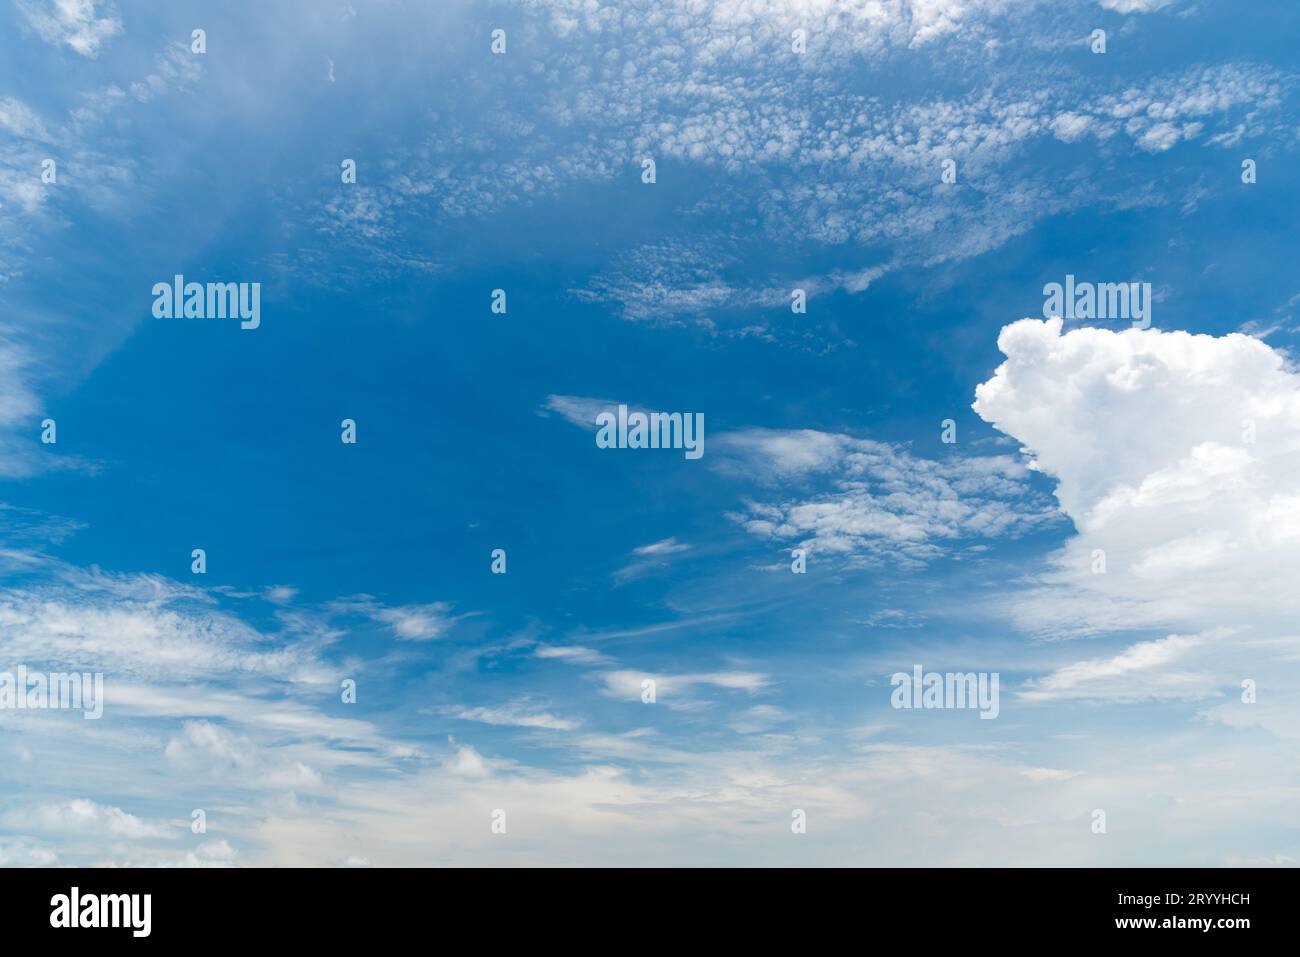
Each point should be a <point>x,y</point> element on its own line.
<point>1175,457</point>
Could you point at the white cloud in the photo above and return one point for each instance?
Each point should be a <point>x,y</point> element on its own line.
<point>575,654</point>
<point>1143,671</point>
<point>140,626</point>
<point>81,816</point>
<point>1175,457</point>
<point>17,401</point>
<point>517,714</point>
<point>758,719</point>
<point>668,546</point>
<point>884,504</point>
<point>1069,126</point>
<point>578,410</point>
<point>209,743</point>
<point>1135,6</point>
<point>741,30</point>
<point>676,691</point>
<point>467,763</point>
<point>244,696</point>
<point>803,157</point>
<point>278,719</point>
<point>73,22</point>
<point>627,684</point>
<point>666,279</point>
<point>1049,774</point>
<point>893,618</point>
<point>417,622</point>
<point>24,853</point>
<point>649,558</point>
<point>205,749</point>
<point>21,120</point>
<point>281,594</point>
<point>208,854</point>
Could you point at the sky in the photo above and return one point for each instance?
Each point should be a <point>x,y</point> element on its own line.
<point>921,467</point>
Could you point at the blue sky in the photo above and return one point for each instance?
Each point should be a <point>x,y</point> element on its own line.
<point>774,171</point>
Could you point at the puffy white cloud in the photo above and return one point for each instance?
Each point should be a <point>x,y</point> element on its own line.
<point>1175,456</point>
